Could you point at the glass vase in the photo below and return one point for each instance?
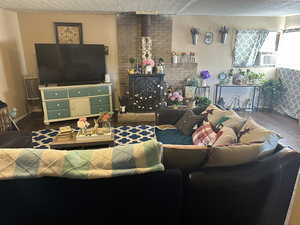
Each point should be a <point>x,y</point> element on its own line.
<point>105,127</point>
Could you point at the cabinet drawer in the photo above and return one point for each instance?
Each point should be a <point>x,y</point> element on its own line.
<point>96,109</point>
<point>78,92</point>
<point>102,90</point>
<point>55,94</point>
<point>57,105</point>
<point>101,100</point>
<point>57,114</point>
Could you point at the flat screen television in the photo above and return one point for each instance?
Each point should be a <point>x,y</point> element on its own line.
<point>70,64</point>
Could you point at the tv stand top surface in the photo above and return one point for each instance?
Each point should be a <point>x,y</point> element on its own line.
<point>70,86</point>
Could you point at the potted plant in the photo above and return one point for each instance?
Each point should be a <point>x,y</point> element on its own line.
<point>230,76</point>
<point>174,99</point>
<point>272,91</point>
<point>202,102</point>
<point>255,78</point>
<point>132,62</point>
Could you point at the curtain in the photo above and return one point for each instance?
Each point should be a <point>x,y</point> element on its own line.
<point>290,102</point>
<point>247,46</point>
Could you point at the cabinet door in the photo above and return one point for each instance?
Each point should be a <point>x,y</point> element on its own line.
<point>96,109</point>
<point>80,107</point>
<point>101,100</point>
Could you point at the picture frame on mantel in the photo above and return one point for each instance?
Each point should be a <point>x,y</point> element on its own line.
<point>68,33</point>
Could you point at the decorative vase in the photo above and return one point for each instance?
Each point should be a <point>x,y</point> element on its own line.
<point>174,59</point>
<point>204,84</point>
<point>195,39</point>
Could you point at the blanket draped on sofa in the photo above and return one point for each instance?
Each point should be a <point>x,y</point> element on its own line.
<point>82,164</point>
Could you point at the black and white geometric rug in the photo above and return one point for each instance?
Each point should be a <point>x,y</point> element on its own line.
<point>123,135</point>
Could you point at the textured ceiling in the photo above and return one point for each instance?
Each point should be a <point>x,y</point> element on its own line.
<point>179,7</point>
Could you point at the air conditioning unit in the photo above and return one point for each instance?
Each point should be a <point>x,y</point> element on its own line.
<point>267,59</point>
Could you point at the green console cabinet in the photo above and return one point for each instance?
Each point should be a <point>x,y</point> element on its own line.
<point>72,102</point>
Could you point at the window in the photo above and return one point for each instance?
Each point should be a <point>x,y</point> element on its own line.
<point>270,44</point>
<point>255,47</point>
<point>289,50</point>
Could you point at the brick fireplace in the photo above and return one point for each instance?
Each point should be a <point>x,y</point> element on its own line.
<point>129,27</point>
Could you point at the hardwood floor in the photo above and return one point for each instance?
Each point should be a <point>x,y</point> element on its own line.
<point>287,127</point>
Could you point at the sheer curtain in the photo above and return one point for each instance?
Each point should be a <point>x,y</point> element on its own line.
<point>247,45</point>
<point>289,50</point>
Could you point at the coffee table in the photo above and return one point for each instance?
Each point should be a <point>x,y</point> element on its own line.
<point>71,143</point>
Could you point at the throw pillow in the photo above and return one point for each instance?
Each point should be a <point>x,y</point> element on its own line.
<point>204,136</point>
<point>230,119</point>
<point>186,157</point>
<point>233,155</point>
<point>212,114</point>
<point>226,136</point>
<point>186,123</point>
<point>251,132</point>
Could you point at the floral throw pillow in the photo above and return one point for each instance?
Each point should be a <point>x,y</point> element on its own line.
<point>204,136</point>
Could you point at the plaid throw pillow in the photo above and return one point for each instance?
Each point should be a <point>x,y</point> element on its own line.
<point>204,136</point>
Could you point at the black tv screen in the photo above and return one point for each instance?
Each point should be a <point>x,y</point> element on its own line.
<point>70,64</point>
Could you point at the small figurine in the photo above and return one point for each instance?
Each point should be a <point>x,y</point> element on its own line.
<point>83,124</point>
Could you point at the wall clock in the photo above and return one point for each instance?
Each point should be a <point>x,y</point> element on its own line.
<point>223,77</point>
<point>208,38</point>
<point>68,33</point>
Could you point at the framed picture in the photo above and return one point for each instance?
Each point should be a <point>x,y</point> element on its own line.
<point>68,33</point>
<point>208,38</point>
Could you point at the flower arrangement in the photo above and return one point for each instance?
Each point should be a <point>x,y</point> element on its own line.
<point>175,98</point>
<point>204,74</point>
<point>105,116</point>
<point>104,122</point>
<point>148,62</point>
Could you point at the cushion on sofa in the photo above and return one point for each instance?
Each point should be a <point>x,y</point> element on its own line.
<point>226,136</point>
<point>252,132</point>
<point>255,142</point>
<point>186,123</point>
<point>186,157</point>
<point>172,136</point>
<point>204,135</point>
<point>237,154</point>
